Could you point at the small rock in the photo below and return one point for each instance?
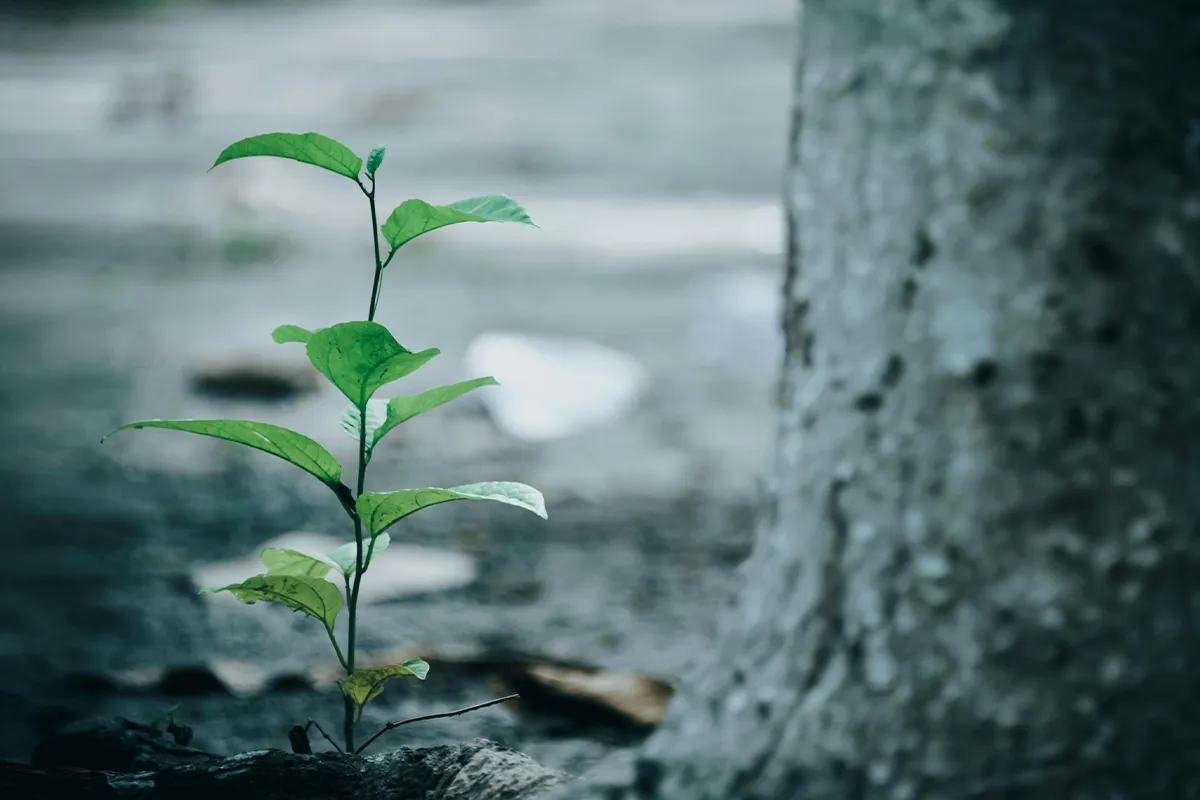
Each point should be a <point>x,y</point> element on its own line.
<point>191,681</point>
<point>553,388</point>
<point>253,380</point>
<point>139,679</point>
<point>407,570</point>
<point>220,676</point>
<point>240,677</point>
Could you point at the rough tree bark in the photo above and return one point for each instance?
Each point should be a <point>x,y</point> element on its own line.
<point>116,758</point>
<point>976,569</point>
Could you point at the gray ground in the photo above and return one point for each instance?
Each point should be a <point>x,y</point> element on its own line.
<point>645,138</point>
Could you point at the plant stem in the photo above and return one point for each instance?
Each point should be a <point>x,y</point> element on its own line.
<point>391,726</point>
<point>349,716</point>
<point>378,284</point>
<point>349,720</point>
<point>312,723</point>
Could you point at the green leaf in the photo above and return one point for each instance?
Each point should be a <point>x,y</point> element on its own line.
<point>376,415</point>
<point>359,357</point>
<point>379,511</point>
<point>346,555</point>
<point>309,148</point>
<point>316,597</point>
<point>291,333</point>
<point>284,561</point>
<point>288,445</point>
<point>402,409</point>
<point>415,217</point>
<point>364,685</point>
<point>375,160</point>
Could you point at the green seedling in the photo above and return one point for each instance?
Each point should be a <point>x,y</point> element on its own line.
<point>359,358</point>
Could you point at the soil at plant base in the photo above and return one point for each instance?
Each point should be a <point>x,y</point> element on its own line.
<point>646,141</point>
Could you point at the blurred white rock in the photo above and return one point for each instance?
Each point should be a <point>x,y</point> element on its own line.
<point>399,571</point>
<point>552,388</point>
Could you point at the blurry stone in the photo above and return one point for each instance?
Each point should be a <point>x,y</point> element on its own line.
<point>240,677</point>
<point>552,388</point>
<point>284,682</point>
<point>400,571</point>
<point>139,679</point>
<point>406,570</point>
<point>114,745</point>
<point>221,676</point>
<point>191,681</point>
<point>326,674</point>
<point>253,380</point>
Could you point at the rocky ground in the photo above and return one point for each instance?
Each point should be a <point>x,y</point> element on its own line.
<point>645,139</point>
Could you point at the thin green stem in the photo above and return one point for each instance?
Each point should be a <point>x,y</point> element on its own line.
<point>348,722</point>
<point>349,719</point>
<point>375,293</point>
<point>379,264</point>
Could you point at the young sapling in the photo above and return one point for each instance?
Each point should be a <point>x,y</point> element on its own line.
<point>359,358</point>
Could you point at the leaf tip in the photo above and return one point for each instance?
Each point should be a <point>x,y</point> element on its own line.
<point>285,334</point>
<point>108,435</point>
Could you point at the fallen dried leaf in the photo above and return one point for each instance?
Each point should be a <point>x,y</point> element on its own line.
<point>591,696</point>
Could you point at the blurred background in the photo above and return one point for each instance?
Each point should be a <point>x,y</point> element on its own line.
<point>634,332</point>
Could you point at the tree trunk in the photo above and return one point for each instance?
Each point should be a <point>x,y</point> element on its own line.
<point>976,572</point>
